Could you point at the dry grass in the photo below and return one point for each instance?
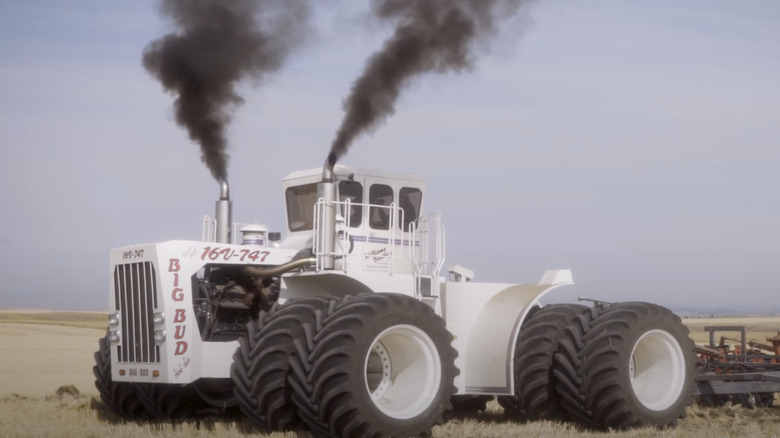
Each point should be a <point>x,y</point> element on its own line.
<point>71,416</point>
<point>41,351</point>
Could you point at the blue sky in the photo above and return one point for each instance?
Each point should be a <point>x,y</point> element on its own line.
<point>633,142</point>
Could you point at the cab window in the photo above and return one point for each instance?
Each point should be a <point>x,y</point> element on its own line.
<point>379,217</point>
<point>300,206</point>
<point>352,191</point>
<point>409,200</point>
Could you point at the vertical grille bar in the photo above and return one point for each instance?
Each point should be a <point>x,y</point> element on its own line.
<point>125,305</point>
<point>135,289</point>
<point>144,316</point>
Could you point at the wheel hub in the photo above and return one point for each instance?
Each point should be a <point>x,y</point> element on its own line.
<point>657,369</point>
<point>402,371</point>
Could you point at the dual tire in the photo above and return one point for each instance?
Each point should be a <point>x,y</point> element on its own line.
<point>535,395</point>
<point>623,366</point>
<point>369,365</point>
<point>261,364</point>
<point>627,365</point>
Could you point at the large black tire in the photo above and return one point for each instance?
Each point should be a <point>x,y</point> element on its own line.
<point>261,364</point>
<point>567,366</point>
<point>535,395</point>
<point>119,397</point>
<point>215,392</point>
<point>349,380</point>
<point>638,367</point>
<point>167,401</point>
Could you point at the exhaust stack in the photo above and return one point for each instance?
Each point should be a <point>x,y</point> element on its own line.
<point>326,191</point>
<point>223,213</point>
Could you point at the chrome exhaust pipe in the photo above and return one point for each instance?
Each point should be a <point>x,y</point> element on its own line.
<point>223,213</point>
<point>326,191</point>
<point>327,169</point>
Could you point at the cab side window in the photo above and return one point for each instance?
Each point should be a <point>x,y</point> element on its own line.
<point>300,206</point>
<point>379,217</point>
<point>410,201</point>
<point>352,191</point>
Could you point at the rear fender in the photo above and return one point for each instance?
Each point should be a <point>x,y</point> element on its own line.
<point>485,320</point>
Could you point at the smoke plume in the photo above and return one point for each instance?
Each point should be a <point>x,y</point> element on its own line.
<point>216,44</point>
<point>431,36</point>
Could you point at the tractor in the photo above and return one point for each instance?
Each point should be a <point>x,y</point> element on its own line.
<point>351,326</point>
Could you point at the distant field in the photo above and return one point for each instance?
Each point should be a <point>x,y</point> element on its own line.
<point>43,351</point>
<point>96,320</point>
<point>758,328</point>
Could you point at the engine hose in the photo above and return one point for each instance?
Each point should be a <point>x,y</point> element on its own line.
<point>281,269</point>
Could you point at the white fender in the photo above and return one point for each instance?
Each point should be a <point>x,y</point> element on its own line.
<point>485,320</point>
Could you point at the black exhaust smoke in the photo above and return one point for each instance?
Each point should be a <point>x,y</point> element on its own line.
<point>216,44</point>
<point>431,36</point>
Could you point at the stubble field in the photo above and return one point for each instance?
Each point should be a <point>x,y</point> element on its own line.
<point>47,390</point>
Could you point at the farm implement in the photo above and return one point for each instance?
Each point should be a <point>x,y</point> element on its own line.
<point>747,372</point>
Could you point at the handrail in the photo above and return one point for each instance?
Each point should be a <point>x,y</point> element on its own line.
<point>344,234</point>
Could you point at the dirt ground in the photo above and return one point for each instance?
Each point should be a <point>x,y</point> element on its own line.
<point>36,359</point>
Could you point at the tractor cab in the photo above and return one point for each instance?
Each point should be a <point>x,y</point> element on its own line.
<point>379,224</point>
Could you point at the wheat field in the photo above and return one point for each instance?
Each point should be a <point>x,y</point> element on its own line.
<point>47,390</point>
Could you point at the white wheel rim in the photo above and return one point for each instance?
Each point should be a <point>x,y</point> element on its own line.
<point>657,370</point>
<point>402,371</point>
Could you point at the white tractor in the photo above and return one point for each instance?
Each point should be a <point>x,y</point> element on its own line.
<point>350,326</point>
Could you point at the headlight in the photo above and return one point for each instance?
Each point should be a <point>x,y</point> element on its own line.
<point>159,335</point>
<point>113,319</point>
<point>158,318</point>
<point>113,336</point>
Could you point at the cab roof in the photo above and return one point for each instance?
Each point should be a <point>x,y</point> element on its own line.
<point>344,171</point>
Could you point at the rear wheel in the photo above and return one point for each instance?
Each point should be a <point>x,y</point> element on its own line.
<point>568,365</point>
<point>638,366</point>
<point>381,365</point>
<point>535,395</point>
<point>119,397</point>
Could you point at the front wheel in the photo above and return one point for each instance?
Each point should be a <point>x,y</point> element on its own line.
<point>261,363</point>
<point>119,397</point>
<point>381,365</point>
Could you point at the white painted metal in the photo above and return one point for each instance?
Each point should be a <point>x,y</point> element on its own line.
<point>402,371</point>
<point>657,370</point>
<point>485,320</point>
<point>184,356</point>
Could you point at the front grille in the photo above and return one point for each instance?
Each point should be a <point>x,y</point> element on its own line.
<point>135,295</point>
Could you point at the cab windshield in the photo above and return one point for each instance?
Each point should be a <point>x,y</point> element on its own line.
<point>300,206</point>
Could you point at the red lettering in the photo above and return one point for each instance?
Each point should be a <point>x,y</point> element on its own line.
<point>181,348</point>
<point>180,316</point>
<point>180,330</point>
<point>173,265</point>
<point>175,280</point>
<point>177,294</point>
